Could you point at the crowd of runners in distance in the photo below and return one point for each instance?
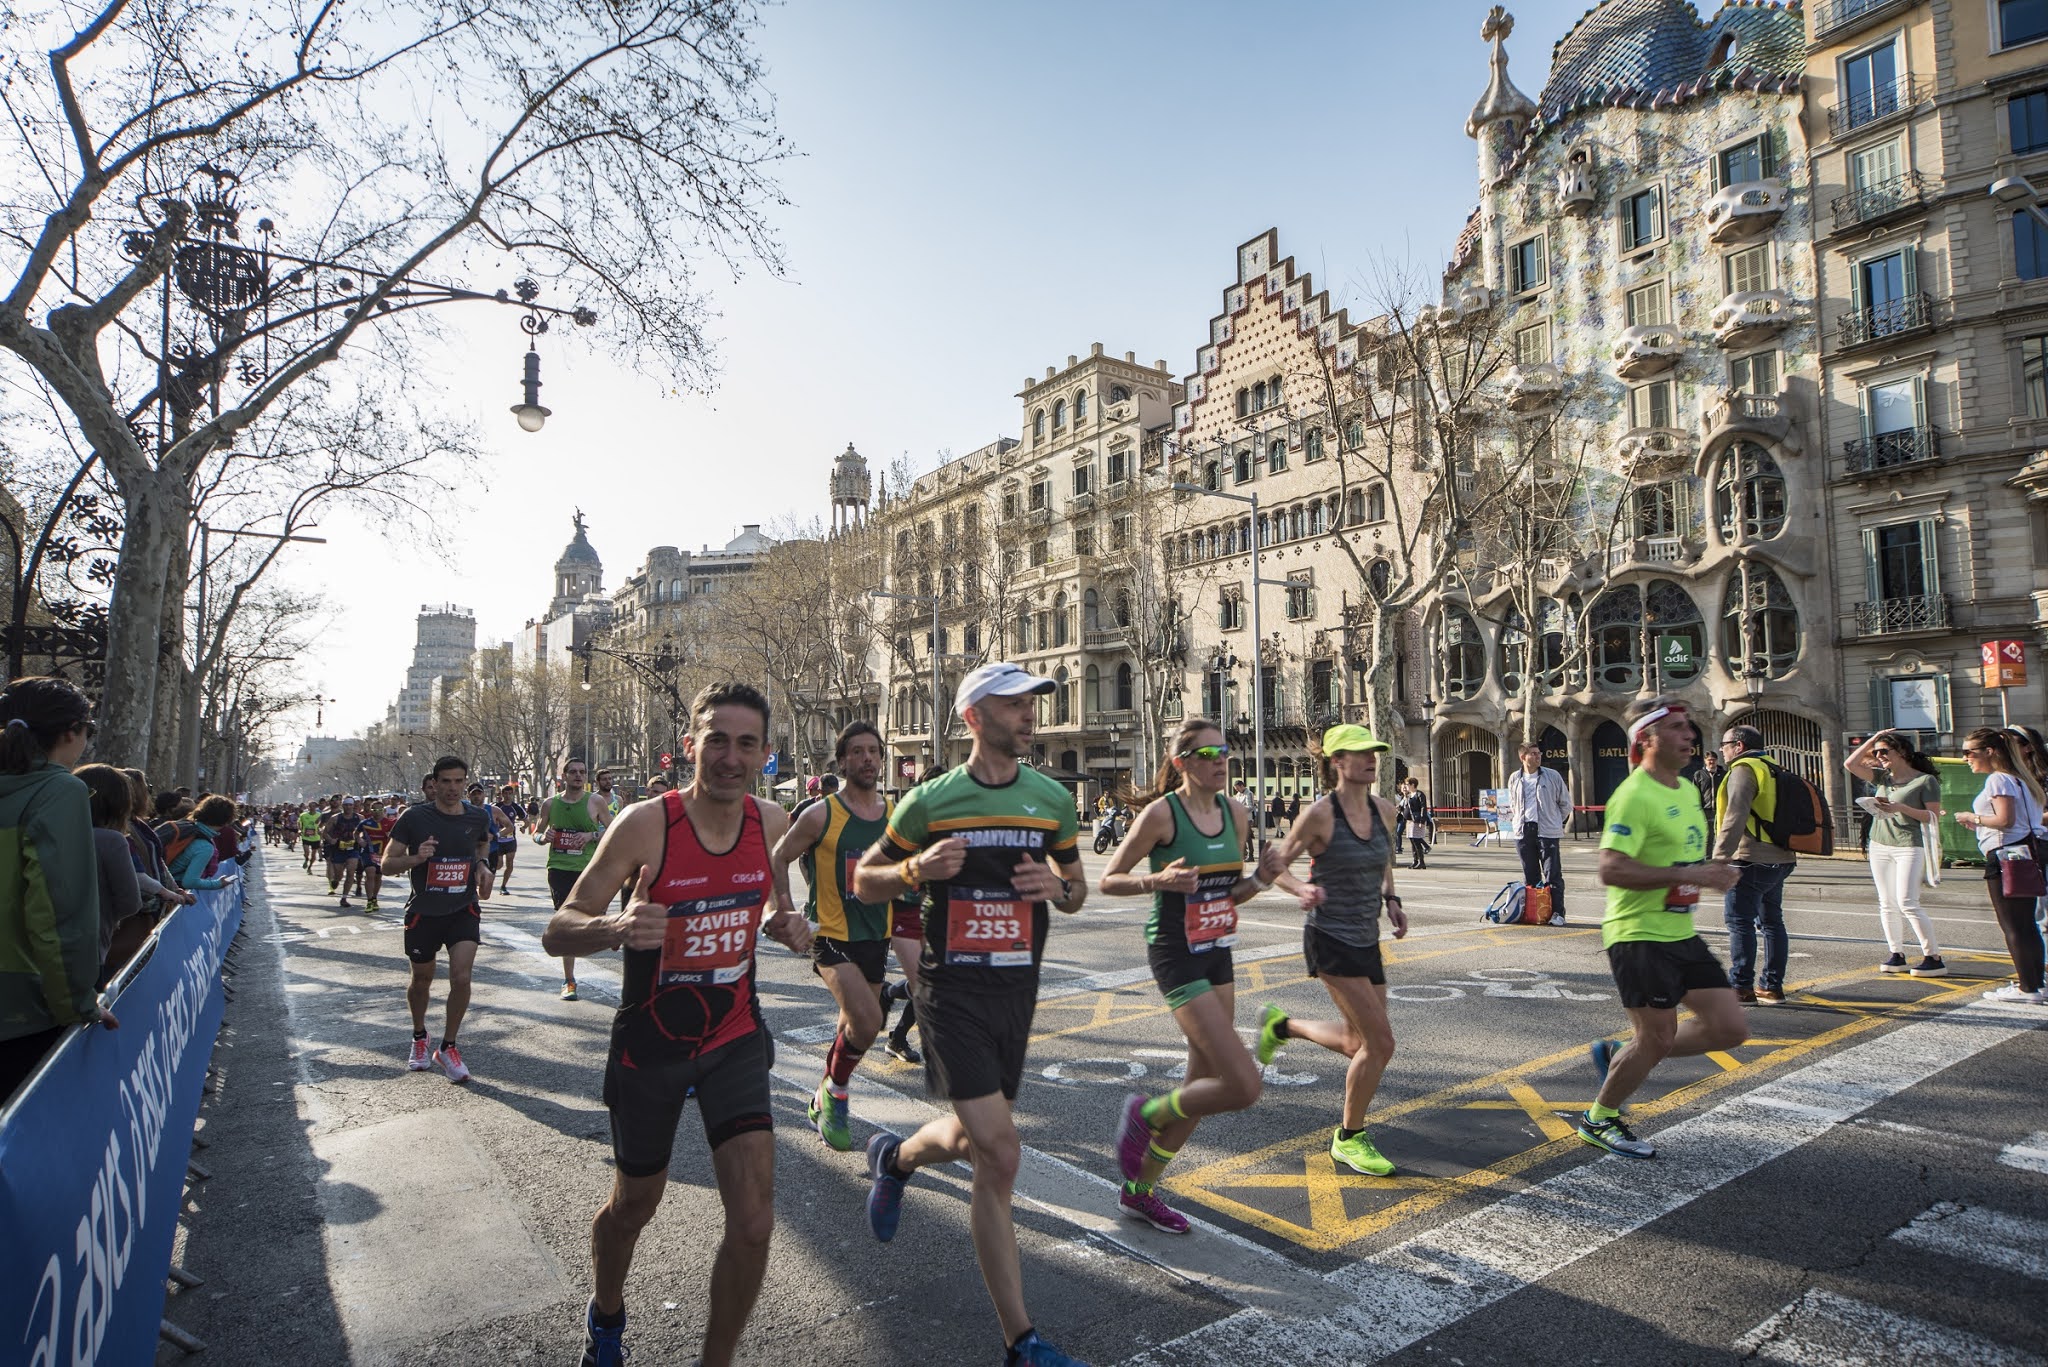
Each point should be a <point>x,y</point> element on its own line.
<point>957,879</point>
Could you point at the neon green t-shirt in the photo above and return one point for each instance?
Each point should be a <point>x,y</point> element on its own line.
<point>1663,827</point>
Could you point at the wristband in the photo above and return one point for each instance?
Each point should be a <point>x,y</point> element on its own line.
<point>1066,888</point>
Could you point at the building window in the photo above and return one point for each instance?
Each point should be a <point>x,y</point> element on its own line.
<point>2029,244</point>
<point>1663,509</point>
<point>1756,373</point>
<point>1615,625</point>
<point>1080,405</point>
<point>1464,655</point>
<point>1060,618</point>
<point>1084,541</point>
<point>970,638</point>
<point>1244,403</point>
<point>1668,610</point>
<point>1118,394</point>
<point>1750,494</point>
<point>1526,267</point>
<point>1747,271</point>
<point>1041,551</point>
<point>1038,426</point>
<point>1119,533</point>
<point>1649,405</point>
<point>1081,473</point>
<point>1759,624</point>
<point>1230,614</point>
<point>1885,288</point>
<point>1870,86</point>
<point>1897,406</point>
<point>1059,414</point>
<point>1646,306</point>
<point>1900,560</point>
<point>1514,650</point>
<point>970,521</point>
<point>1119,466</point>
<point>1276,457</point>
<point>2027,119</point>
<point>1532,344</point>
<point>1041,494</point>
<point>1022,643</point>
<point>2034,375</point>
<point>1354,435</point>
<point>1242,464</point>
<point>1376,503</point>
<point>2021,21</point>
<point>1126,689</point>
<point>1642,218</point>
<point>1312,444</point>
<point>1062,698</point>
<point>1301,596</point>
<point>1354,507</point>
<point>1747,162</point>
<point>1009,504</point>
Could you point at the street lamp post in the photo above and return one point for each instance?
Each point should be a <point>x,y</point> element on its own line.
<point>1258,652</point>
<point>659,667</point>
<point>195,690</point>
<point>938,757</point>
<point>1428,705</point>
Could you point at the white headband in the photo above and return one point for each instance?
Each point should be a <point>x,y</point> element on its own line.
<point>1644,722</point>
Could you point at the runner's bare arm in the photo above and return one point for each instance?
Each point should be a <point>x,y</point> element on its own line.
<point>1397,915</point>
<point>540,824</point>
<point>630,851</point>
<point>786,926</point>
<point>800,839</point>
<point>1037,880</point>
<point>883,875</point>
<point>600,811</point>
<point>1153,828</point>
<point>399,859</point>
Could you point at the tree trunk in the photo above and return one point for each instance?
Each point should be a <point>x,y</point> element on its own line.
<point>154,531</point>
<point>167,746</point>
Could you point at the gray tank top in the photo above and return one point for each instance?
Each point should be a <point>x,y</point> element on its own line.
<point>1351,871</point>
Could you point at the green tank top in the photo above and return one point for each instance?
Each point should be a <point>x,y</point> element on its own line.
<point>309,823</point>
<point>838,913</point>
<point>1205,919</point>
<point>572,833</point>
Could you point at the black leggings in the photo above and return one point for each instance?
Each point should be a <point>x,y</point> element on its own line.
<point>2022,935</point>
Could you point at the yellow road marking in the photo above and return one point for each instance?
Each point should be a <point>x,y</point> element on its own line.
<point>1542,1112</point>
<point>1330,1229</point>
<point>1725,1060</point>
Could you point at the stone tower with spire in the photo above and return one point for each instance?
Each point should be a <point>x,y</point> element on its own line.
<point>851,489</point>
<point>1498,122</point>
<point>577,574</point>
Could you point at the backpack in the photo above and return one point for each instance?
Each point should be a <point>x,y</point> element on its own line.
<point>1789,810</point>
<point>178,837</point>
<point>29,911</point>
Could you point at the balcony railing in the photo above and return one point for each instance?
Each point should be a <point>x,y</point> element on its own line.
<point>1891,450</point>
<point>1106,638</point>
<point>1870,106</point>
<point>1923,612</point>
<point>1745,210</point>
<point>1876,202</point>
<point>1653,550</point>
<point>1837,20</point>
<point>1894,318</point>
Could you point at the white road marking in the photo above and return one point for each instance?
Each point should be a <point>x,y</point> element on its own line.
<point>1822,1329</point>
<point>2029,1155</point>
<point>2012,1243</point>
<point>1392,1299</point>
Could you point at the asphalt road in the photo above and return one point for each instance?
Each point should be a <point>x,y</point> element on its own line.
<point>1865,1181</point>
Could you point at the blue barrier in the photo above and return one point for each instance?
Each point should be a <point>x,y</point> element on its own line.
<point>93,1152</point>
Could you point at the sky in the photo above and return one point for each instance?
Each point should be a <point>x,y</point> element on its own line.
<point>981,191</point>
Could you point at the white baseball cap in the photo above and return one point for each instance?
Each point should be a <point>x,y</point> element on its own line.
<point>999,680</point>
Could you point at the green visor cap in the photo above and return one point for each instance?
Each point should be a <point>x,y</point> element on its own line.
<point>1350,737</point>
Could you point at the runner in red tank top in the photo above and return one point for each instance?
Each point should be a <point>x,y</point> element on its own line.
<point>688,1017</point>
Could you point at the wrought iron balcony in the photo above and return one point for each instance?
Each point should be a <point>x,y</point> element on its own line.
<point>1534,387</point>
<point>1894,318</point>
<point>1874,105</point>
<point>1745,210</point>
<point>1835,21</point>
<point>1891,451</point>
<point>1646,350</point>
<point>1923,612</point>
<point>1875,203</point>
<point>1749,316</point>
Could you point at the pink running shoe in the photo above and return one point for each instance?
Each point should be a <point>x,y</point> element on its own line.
<point>1133,1137</point>
<point>450,1060</point>
<point>1152,1211</point>
<point>418,1061</point>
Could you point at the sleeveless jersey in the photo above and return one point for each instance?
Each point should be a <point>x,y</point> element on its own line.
<point>1206,918</point>
<point>572,833</point>
<point>309,825</point>
<point>696,992</point>
<point>838,913</point>
<point>341,831</point>
<point>1351,871</point>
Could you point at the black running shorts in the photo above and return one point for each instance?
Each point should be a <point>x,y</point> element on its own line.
<point>646,1100</point>
<point>1333,958</point>
<point>562,882</point>
<point>871,957</point>
<point>1183,976</point>
<point>427,936</point>
<point>1659,973</point>
<point>974,1041</point>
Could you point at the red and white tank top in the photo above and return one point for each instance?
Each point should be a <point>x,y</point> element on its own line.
<point>696,992</point>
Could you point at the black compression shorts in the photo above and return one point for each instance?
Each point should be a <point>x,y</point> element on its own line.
<point>427,936</point>
<point>1659,973</point>
<point>974,1042</point>
<point>646,1100</point>
<point>871,957</point>
<point>1325,955</point>
<point>1183,976</point>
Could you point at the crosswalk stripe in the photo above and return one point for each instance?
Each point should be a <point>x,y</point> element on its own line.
<point>1822,1329</point>
<point>2012,1243</point>
<point>1392,1299</point>
<point>2029,1155</point>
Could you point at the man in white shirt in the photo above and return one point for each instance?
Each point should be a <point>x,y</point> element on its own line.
<point>1539,808</point>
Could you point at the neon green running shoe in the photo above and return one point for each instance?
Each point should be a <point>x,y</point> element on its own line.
<point>1270,1041</point>
<point>828,1113</point>
<point>1358,1154</point>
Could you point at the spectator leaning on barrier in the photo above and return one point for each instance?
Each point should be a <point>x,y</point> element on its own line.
<point>1754,909</point>
<point>190,845</point>
<point>120,895</point>
<point>49,879</point>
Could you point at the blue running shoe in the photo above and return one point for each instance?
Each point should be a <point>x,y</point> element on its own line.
<point>1033,1351</point>
<point>602,1346</point>
<point>1603,1052</point>
<point>885,1197</point>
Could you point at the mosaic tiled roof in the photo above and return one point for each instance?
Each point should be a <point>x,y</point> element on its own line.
<point>1658,52</point>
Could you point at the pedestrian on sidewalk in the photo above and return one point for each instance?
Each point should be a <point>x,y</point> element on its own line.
<point>2007,820</point>
<point>1908,803</point>
<point>1539,809</point>
<point>1754,909</point>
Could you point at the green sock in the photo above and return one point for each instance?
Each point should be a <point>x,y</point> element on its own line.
<point>1599,1112</point>
<point>1162,1111</point>
<point>1160,1156</point>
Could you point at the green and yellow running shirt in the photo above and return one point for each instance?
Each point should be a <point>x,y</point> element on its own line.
<point>1659,826</point>
<point>572,833</point>
<point>309,827</point>
<point>1205,919</point>
<point>977,932</point>
<point>838,913</point>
